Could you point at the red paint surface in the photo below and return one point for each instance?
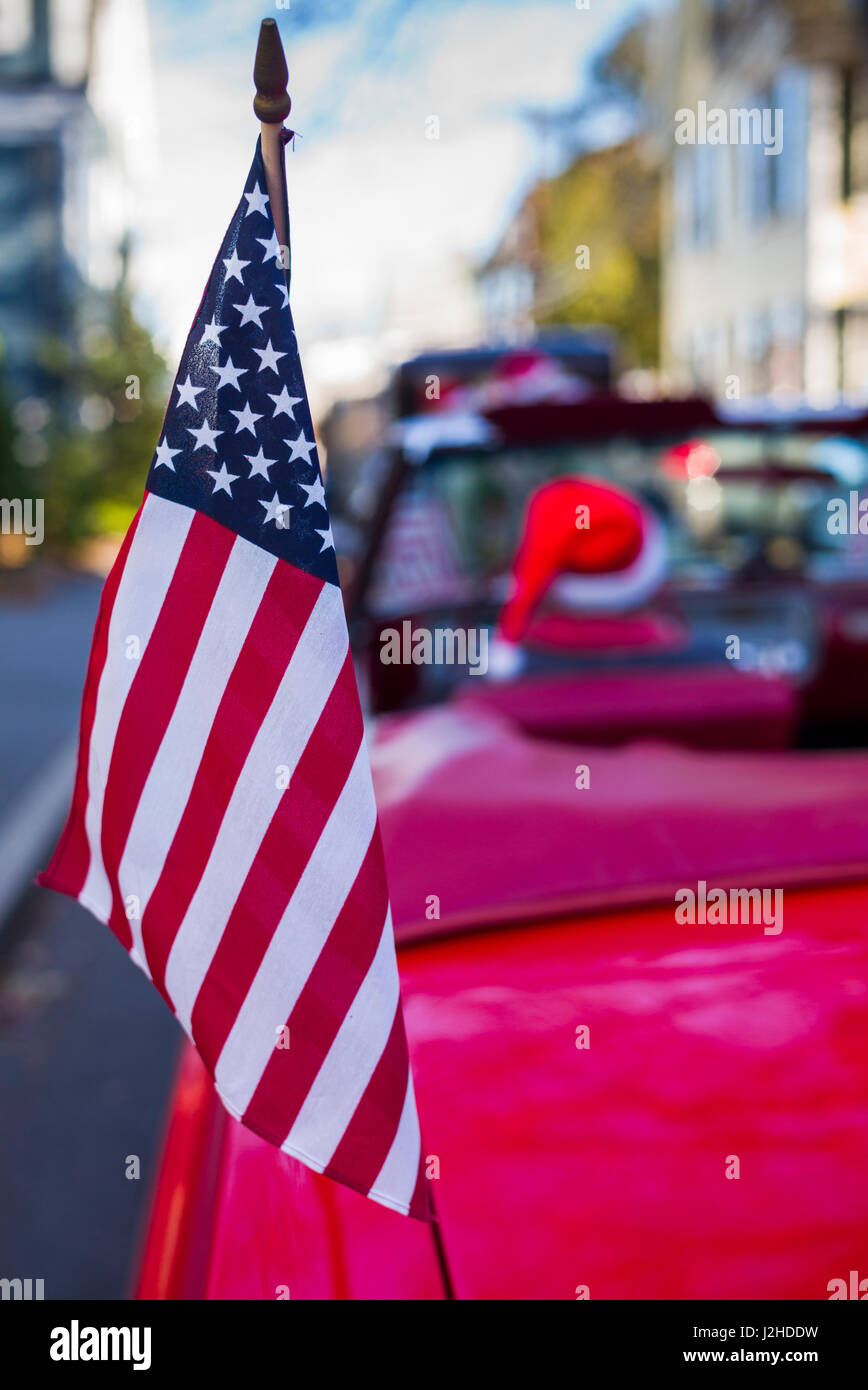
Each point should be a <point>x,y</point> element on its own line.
<point>563,1167</point>
<point>606,1166</point>
<point>706,707</point>
<point>492,823</point>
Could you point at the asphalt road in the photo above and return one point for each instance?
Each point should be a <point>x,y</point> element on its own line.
<point>87,1047</point>
<point>46,622</point>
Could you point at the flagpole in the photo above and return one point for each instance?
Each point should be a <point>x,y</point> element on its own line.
<point>272,105</point>
<point>440,1251</point>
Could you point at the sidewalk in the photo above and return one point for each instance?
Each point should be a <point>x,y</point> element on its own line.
<point>46,622</point>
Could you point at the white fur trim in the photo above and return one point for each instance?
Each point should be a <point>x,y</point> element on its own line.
<point>622,589</point>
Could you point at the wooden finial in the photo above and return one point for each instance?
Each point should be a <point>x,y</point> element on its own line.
<point>272,102</point>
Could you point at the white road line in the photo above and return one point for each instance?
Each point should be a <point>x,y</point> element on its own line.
<point>26,830</point>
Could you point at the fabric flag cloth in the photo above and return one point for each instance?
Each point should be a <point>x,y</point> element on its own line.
<point>223,822</point>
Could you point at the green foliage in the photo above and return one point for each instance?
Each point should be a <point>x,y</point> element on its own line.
<point>609,201</point>
<point>112,395</point>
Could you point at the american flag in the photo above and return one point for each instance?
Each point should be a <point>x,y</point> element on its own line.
<point>223,821</point>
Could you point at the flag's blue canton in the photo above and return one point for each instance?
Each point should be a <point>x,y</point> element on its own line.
<point>237,441</point>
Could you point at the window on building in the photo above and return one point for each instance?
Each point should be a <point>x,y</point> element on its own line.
<point>774,183</point>
<point>763,181</point>
<point>70,39</point>
<point>705,204</point>
<point>790,96</point>
<point>16,26</point>
<point>854,133</point>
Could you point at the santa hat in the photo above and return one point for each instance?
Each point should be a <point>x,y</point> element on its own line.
<point>593,545</point>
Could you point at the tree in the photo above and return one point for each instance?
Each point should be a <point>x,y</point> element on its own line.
<point>608,201</point>
<point>112,395</point>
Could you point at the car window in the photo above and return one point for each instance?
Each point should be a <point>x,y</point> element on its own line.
<point>756,501</point>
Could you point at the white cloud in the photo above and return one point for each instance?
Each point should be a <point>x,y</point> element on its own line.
<point>384,221</point>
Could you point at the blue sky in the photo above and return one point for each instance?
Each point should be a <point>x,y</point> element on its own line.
<point>386,223</point>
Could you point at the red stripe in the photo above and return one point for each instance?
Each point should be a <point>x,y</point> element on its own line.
<point>154,692</point>
<point>280,861</point>
<point>281,617</point>
<point>70,862</point>
<point>369,1135</point>
<point>324,1002</point>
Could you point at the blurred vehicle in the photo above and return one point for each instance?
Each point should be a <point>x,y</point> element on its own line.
<point>745,505</point>
<point>559,364</point>
<point>616,1102</point>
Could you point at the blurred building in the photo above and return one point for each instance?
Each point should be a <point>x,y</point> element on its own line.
<point>764,266</point>
<point>77,154</point>
<point>508,279</point>
<point>582,252</point>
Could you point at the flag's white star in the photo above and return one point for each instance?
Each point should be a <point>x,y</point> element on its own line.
<point>256,201</point>
<point>223,479</point>
<point>285,403</point>
<point>276,511</point>
<point>229,374</point>
<point>315,493</point>
<point>250,312</point>
<point>212,332</point>
<point>187,393</point>
<point>271,248</point>
<point>204,436</point>
<point>269,358</point>
<point>246,419</point>
<point>281,285</point>
<point>301,448</point>
<point>234,267</point>
<point>259,464</point>
<point>327,540</point>
<point>164,455</point>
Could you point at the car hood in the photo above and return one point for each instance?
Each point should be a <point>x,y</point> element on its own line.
<point>621,1106</point>
<point>483,824</point>
<point>614,1106</point>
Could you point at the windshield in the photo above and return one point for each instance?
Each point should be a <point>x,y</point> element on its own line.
<point>734,503</point>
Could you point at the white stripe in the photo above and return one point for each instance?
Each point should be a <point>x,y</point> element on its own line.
<point>622,589</point>
<point>396,1181</point>
<point>344,1075</point>
<point>292,952</point>
<point>281,739</point>
<point>150,565</point>
<point>170,780</point>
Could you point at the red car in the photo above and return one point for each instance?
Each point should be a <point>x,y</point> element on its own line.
<point>589,1072</point>
<point>623,1095</point>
